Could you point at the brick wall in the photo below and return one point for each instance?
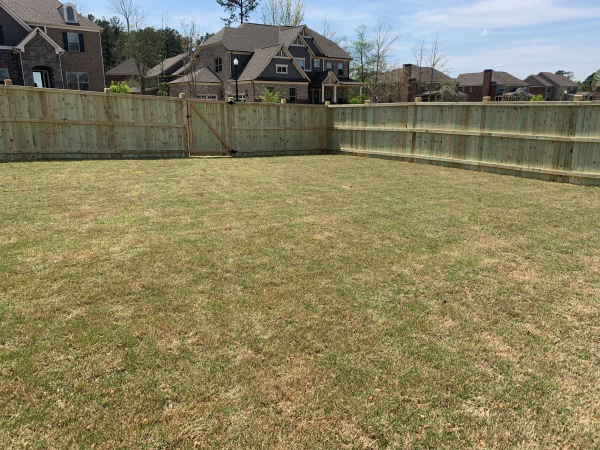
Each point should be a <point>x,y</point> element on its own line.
<point>283,89</point>
<point>206,58</point>
<point>211,89</point>
<point>89,61</point>
<point>39,53</point>
<point>12,62</point>
<point>334,67</point>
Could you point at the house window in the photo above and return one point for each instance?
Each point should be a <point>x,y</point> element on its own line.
<point>281,68</point>
<point>292,95</point>
<point>281,54</point>
<point>300,62</point>
<point>73,40</point>
<point>78,81</point>
<point>298,43</point>
<point>340,96</point>
<point>70,14</point>
<point>470,89</point>
<point>4,75</point>
<point>340,68</point>
<point>329,65</point>
<point>207,97</point>
<point>218,65</point>
<point>316,63</point>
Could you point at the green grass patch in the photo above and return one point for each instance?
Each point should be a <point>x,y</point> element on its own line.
<point>302,302</point>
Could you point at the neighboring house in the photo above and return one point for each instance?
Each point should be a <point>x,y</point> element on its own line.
<point>168,70</point>
<point>444,94</point>
<point>552,86</point>
<point>597,96</point>
<point>46,43</point>
<point>490,84</point>
<point>297,62</point>
<point>417,81</point>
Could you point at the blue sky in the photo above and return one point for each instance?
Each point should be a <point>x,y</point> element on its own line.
<point>518,36</point>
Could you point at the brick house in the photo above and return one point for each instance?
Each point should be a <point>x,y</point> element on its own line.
<point>46,43</point>
<point>414,81</point>
<point>552,86</point>
<point>168,70</point>
<point>489,83</point>
<point>297,62</point>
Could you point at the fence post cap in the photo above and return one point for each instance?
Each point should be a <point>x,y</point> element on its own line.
<point>8,82</point>
<point>182,95</point>
<point>230,99</point>
<point>107,90</point>
<point>283,100</point>
<point>327,103</point>
<point>577,98</point>
<point>487,99</point>
<point>367,102</point>
<point>418,99</point>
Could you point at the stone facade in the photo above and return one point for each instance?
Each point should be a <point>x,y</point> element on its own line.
<point>12,62</point>
<point>206,58</point>
<point>89,61</point>
<point>334,66</point>
<point>283,89</point>
<point>39,53</point>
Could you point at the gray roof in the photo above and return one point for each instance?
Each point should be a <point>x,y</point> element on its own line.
<point>557,80</point>
<point>204,75</point>
<point>44,11</point>
<point>165,65</point>
<point>424,73</point>
<point>261,58</point>
<point>502,78</point>
<point>535,80</point>
<point>250,37</point>
<point>125,68</point>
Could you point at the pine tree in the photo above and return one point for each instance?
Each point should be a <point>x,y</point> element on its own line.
<point>239,10</point>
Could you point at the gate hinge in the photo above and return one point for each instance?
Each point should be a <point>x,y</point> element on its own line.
<point>233,152</point>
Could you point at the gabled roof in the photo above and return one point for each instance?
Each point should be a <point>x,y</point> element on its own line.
<point>165,65</point>
<point>535,80</point>
<point>126,68</point>
<point>261,59</point>
<point>37,32</point>
<point>250,37</point>
<point>321,77</point>
<point>45,12</point>
<point>476,79</point>
<point>204,75</point>
<point>422,73</point>
<point>557,80</point>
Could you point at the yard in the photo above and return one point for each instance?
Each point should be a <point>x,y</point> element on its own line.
<point>301,302</point>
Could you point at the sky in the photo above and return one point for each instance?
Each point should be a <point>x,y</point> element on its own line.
<point>522,37</point>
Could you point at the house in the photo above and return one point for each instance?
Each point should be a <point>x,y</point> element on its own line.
<point>46,43</point>
<point>490,83</point>
<point>297,62</point>
<point>167,70</point>
<point>555,86</point>
<point>414,81</point>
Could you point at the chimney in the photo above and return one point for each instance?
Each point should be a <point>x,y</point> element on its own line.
<point>487,81</point>
<point>408,70</point>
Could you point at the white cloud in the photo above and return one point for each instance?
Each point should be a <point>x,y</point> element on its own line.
<point>509,13</point>
<point>485,33</point>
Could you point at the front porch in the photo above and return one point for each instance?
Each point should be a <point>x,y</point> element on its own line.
<point>327,87</point>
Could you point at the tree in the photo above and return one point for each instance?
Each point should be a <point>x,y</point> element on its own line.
<point>239,10</point>
<point>113,41</point>
<point>383,41</point>
<point>361,50</point>
<point>330,33</point>
<point>269,95</point>
<point>205,37</point>
<point>437,61</point>
<point>190,40</point>
<point>537,98</point>
<point>589,85</point>
<point>570,75</point>
<point>283,12</point>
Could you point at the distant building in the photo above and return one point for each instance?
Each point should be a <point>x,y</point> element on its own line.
<point>552,86</point>
<point>489,83</point>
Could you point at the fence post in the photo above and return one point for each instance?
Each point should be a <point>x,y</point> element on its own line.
<point>367,102</point>
<point>418,99</point>
<point>8,82</point>
<point>107,90</point>
<point>487,99</point>
<point>329,103</point>
<point>283,101</point>
<point>577,98</point>
<point>182,95</point>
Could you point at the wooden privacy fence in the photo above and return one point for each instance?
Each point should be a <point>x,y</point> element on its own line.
<point>37,123</point>
<point>551,141</point>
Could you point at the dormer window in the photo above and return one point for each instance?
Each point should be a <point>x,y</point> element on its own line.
<point>69,12</point>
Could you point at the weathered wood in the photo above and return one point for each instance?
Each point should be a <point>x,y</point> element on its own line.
<point>206,121</point>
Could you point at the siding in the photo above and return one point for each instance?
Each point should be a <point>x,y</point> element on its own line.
<point>270,70</point>
<point>13,30</point>
<point>301,52</point>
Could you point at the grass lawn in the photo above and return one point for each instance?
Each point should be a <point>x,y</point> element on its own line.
<point>302,302</point>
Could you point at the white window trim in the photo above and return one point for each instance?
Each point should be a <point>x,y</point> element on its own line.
<point>293,44</point>
<point>69,42</point>
<point>66,15</point>
<point>207,97</point>
<point>277,66</point>
<point>315,61</point>
<point>78,87</point>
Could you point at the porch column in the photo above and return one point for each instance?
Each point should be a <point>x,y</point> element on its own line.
<point>334,99</point>
<point>322,93</point>
<point>360,90</point>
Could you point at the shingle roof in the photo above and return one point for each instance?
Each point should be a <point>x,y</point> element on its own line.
<point>250,37</point>
<point>425,74</point>
<point>258,62</point>
<point>125,68</point>
<point>476,79</point>
<point>165,65</point>
<point>204,75</point>
<point>44,11</point>
<point>535,80</point>
<point>557,80</point>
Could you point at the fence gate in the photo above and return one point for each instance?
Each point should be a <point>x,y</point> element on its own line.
<point>209,128</point>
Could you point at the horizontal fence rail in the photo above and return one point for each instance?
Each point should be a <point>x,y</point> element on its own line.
<point>550,141</point>
<point>37,123</point>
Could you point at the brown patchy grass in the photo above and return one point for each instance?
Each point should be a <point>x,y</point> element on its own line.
<point>306,302</point>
